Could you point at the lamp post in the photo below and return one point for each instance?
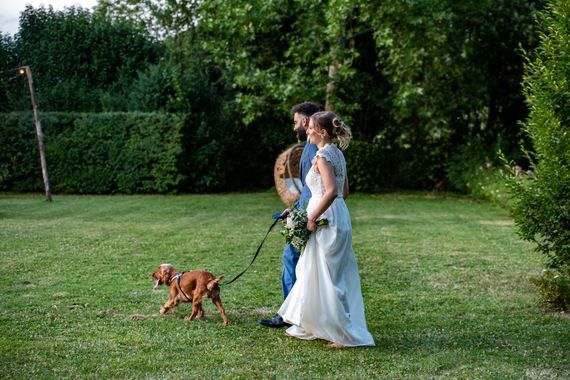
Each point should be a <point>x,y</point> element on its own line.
<point>39,132</point>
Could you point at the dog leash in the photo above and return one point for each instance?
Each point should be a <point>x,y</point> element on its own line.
<point>258,248</point>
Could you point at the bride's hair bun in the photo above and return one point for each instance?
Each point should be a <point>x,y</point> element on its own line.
<point>335,127</point>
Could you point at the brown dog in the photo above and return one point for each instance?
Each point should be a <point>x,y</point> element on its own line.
<point>189,287</point>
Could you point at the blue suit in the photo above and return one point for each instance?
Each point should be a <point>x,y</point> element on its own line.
<point>290,255</point>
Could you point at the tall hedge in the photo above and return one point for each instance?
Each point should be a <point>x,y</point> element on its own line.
<point>92,153</point>
<point>542,202</point>
<point>110,153</point>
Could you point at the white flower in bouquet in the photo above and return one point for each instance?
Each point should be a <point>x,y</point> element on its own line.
<point>295,228</point>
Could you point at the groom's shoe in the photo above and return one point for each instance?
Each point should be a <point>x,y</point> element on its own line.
<point>275,322</point>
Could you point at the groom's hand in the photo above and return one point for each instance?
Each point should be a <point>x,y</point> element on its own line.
<point>281,215</point>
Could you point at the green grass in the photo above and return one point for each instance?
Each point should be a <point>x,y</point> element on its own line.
<point>445,283</point>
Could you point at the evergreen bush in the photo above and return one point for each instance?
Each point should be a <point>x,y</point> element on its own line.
<point>541,206</point>
<point>542,202</point>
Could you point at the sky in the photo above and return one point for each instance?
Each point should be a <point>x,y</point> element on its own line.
<point>10,10</point>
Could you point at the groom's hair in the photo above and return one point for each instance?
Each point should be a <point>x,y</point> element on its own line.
<point>306,108</point>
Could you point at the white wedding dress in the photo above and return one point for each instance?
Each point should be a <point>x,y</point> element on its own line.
<point>326,300</point>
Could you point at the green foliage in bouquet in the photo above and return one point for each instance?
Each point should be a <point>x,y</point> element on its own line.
<point>295,228</point>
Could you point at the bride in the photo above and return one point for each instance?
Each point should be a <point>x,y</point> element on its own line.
<point>326,301</point>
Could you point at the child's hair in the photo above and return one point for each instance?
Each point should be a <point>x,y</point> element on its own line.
<point>335,127</point>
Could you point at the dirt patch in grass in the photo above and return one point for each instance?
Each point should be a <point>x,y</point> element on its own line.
<point>502,223</point>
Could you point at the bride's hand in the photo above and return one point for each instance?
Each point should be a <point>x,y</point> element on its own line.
<point>311,225</point>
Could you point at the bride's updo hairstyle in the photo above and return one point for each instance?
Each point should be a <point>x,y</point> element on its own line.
<point>335,127</point>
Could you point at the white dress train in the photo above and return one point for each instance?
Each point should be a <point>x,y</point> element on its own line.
<point>326,300</point>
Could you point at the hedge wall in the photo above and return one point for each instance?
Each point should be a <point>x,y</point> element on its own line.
<point>92,153</point>
<point>105,153</point>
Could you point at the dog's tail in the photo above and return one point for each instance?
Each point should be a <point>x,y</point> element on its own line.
<point>214,282</point>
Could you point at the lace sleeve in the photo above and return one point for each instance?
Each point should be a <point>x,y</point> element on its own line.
<point>328,154</point>
<point>324,154</point>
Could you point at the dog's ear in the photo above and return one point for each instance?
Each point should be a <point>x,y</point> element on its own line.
<point>166,270</point>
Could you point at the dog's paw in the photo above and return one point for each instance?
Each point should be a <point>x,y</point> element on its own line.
<point>162,311</point>
<point>227,322</point>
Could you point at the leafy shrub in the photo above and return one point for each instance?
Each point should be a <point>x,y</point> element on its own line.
<point>476,169</point>
<point>554,288</point>
<point>541,206</point>
<point>154,90</point>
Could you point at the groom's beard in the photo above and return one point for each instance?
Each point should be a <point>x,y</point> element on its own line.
<point>302,134</point>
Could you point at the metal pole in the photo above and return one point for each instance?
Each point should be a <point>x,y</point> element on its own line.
<point>39,132</point>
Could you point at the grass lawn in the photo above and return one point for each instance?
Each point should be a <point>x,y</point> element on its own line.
<point>444,279</point>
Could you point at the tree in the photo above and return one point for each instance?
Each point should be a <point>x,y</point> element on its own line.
<point>14,92</point>
<point>82,62</point>
<point>163,18</point>
<point>423,81</point>
<point>454,69</point>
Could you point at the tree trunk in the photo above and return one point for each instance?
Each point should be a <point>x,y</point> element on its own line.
<point>333,71</point>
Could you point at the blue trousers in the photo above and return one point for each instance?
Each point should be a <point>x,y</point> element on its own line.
<point>288,277</point>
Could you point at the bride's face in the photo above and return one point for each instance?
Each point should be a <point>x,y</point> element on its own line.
<point>313,133</point>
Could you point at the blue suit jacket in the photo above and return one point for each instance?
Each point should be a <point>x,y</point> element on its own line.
<point>307,156</point>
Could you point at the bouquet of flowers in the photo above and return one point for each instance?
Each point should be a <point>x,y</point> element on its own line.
<point>295,228</point>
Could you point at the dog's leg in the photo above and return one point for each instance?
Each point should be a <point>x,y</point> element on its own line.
<point>218,302</point>
<point>200,313</point>
<point>172,301</point>
<point>196,307</point>
<point>168,305</point>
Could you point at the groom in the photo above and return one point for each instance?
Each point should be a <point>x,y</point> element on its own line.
<point>301,114</point>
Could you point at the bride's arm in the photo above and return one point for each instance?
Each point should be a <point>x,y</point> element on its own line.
<point>329,182</point>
